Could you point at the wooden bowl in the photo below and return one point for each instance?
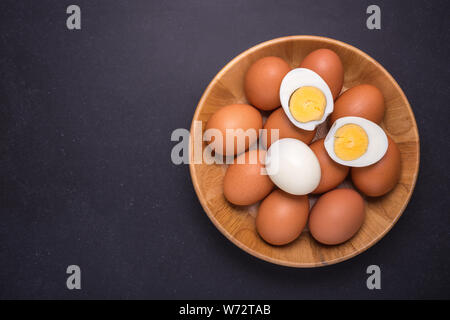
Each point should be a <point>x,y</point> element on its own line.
<point>237,223</point>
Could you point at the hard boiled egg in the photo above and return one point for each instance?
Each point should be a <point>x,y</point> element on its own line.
<point>306,98</point>
<point>381,177</point>
<point>262,82</point>
<point>356,142</point>
<point>286,129</point>
<point>244,183</point>
<point>337,216</point>
<point>282,217</point>
<point>293,166</point>
<point>327,64</point>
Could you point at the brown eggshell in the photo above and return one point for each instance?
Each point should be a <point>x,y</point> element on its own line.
<point>365,101</point>
<point>327,64</point>
<point>282,217</point>
<point>244,184</point>
<point>236,116</point>
<point>279,120</point>
<point>380,177</point>
<point>332,173</point>
<point>337,216</point>
<point>263,80</point>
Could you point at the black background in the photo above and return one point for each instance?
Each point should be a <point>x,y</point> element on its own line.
<point>86,176</point>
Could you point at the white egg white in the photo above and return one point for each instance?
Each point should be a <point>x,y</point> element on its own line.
<point>292,166</point>
<point>302,77</point>
<point>378,142</point>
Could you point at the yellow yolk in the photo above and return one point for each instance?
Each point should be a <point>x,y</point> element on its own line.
<point>350,142</point>
<point>307,104</point>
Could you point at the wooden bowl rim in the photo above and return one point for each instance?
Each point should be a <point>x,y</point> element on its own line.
<point>195,179</point>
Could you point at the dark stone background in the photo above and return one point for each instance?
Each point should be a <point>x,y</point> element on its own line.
<point>85,124</point>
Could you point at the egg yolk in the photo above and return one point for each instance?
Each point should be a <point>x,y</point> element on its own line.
<point>307,104</point>
<point>350,142</point>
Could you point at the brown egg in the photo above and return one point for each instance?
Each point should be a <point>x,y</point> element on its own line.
<point>332,173</point>
<point>243,183</point>
<point>282,217</point>
<point>337,216</point>
<point>365,101</point>
<point>380,177</point>
<point>327,64</point>
<point>263,81</point>
<point>236,116</point>
<point>279,120</point>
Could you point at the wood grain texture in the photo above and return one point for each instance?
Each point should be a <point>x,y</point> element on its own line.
<point>237,223</point>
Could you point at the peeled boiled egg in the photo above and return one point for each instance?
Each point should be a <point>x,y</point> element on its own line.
<point>306,98</point>
<point>293,166</point>
<point>356,142</point>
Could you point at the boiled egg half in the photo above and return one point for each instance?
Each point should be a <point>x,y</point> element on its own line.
<point>356,142</point>
<point>306,98</point>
